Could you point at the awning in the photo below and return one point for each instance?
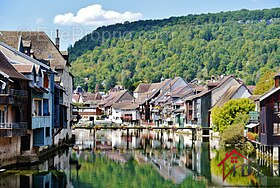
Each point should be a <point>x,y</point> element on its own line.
<point>252,125</point>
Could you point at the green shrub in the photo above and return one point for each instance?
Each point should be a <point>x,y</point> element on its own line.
<point>234,111</point>
<point>233,135</point>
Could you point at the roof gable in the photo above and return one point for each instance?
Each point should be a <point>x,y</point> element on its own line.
<point>18,57</point>
<point>269,93</point>
<point>8,69</point>
<point>43,47</point>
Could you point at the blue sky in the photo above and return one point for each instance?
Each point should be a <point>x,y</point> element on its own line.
<point>74,22</point>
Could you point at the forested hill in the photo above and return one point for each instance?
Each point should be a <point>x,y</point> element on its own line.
<point>238,42</point>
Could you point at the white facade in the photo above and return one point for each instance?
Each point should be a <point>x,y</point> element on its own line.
<point>117,115</point>
<point>242,92</point>
<point>218,92</point>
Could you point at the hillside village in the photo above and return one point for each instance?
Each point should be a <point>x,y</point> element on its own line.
<point>170,107</point>
<point>40,107</point>
<point>171,102</point>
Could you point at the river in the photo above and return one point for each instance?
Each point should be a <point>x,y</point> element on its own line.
<point>140,159</point>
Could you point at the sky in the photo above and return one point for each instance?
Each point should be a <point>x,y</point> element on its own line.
<point>76,18</point>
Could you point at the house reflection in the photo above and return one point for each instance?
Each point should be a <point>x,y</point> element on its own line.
<point>174,156</point>
<point>42,175</point>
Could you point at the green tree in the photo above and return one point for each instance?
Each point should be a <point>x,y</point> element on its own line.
<point>194,46</point>
<point>265,83</point>
<point>230,112</point>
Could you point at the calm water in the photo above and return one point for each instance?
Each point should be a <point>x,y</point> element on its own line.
<point>141,159</point>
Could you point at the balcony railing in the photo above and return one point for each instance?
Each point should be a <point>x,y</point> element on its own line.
<point>13,129</point>
<point>21,93</point>
<point>13,96</point>
<point>14,92</point>
<point>19,125</point>
<point>41,121</point>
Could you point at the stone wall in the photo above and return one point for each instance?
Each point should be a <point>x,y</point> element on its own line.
<point>9,150</point>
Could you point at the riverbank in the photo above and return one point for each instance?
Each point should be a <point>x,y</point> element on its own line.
<point>34,158</point>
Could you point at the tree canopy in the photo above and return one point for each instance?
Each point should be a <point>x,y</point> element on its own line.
<point>194,46</point>
<point>265,83</point>
<point>232,112</point>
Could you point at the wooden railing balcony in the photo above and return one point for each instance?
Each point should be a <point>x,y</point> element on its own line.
<point>13,96</point>
<point>13,129</point>
<point>14,92</point>
<point>41,121</point>
<point>21,93</point>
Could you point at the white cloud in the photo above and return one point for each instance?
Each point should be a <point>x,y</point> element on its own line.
<point>95,15</point>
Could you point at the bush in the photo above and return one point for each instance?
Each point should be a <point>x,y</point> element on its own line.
<point>248,148</point>
<point>233,135</point>
<point>234,111</point>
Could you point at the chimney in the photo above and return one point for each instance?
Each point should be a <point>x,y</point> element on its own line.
<point>277,80</point>
<point>57,39</point>
<point>31,53</point>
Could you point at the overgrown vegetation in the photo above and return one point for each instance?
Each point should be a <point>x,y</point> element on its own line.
<point>194,46</point>
<point>266,81</point>
<point>233,135</point>
<point>232,112</point>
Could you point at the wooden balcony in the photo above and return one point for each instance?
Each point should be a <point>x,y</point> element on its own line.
<point>13,129</point>
<point>41,121</point>
<point>14,97</point>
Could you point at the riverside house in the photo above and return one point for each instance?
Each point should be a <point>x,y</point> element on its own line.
<point>40,47</point>
<point>41,95</point>
<point>126,113</point>
<point>269,105</point>
<point>14,112</point>
<point>112,98</point>
<point>198,107</point>
<point>144,94</point>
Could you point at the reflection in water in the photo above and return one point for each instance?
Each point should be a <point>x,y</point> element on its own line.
<point>137,159</point>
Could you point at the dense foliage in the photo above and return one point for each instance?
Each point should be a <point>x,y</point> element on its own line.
<point>234,111</point>
<point>239,42</point>
<point>265,83</point>
<point>233,135</point>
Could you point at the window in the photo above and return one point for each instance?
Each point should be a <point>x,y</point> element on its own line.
<point>37,108</point>
<point>2,116</point>
<point>276,107</point>
<point>47,131</point>
<point>46,111</point>
<point>46,80</point>
<point>276,128</point>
